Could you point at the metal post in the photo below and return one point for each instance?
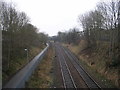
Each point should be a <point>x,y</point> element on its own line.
<point>27,53</point>
<point>27,56</point>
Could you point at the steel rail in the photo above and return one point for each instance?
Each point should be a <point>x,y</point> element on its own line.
<point>67,70</point>
<point>70,73</point>
<point>75,68</point>
<point>61,71</point>
<point>70,54</point>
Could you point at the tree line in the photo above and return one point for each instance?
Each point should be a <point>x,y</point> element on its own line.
<point>71,36</point>
<point>103,24</point>
<point>100,24</point>
<point>103,19</point>
<point>18,34</point>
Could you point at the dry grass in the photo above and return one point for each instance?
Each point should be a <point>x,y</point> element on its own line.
<point>74,48</point>
<point>99,58</point>
<point>16,65</point>
<point>42,76</point>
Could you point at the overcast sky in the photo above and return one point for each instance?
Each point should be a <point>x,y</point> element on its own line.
<point>51,16</point>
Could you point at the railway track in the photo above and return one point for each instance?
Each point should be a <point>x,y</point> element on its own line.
<point>90,82</point>
<point>74,75</point>
<point>66,75</point>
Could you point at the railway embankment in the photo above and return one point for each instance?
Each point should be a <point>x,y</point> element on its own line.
<point>97,62</point>
<point>43,75</point>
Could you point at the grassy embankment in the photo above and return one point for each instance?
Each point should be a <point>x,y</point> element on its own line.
<point>95,62</point>
<point>42,77</point>
<point>16,65</point>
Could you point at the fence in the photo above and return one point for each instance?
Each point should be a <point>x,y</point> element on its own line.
<point>18,80</point>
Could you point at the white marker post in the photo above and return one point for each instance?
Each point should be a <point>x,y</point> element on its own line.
<point>27,54</point>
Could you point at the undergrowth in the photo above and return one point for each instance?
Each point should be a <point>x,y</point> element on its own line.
<point>96,59</point>
<point>42,77</point>
<point>19,63</point>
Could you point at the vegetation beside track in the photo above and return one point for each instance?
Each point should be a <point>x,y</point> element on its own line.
<point>21,40</point>
<point>96,63</point>
<point>18,64</point>
<point>42,77</point>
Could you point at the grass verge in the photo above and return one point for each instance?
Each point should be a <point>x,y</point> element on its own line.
<point>42,77</point>
<point>94,63</point>
<point>18,64</point>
